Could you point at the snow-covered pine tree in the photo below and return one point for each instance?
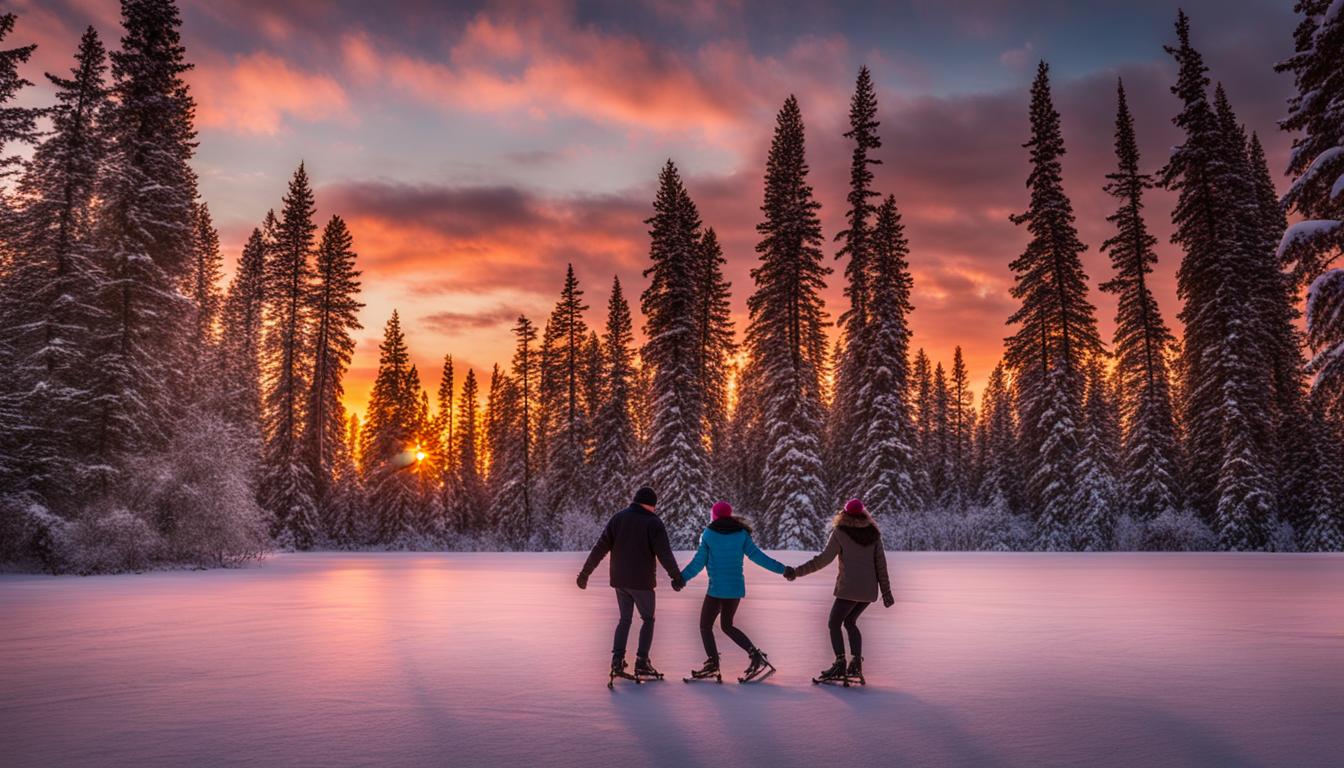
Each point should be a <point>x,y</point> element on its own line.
<point>1324,528</point>
<point>145,238</point>
<point>616,447</point>
<point>512,474</point>
<point>1096,495</point>
<point>241,340</point>
<point>716,348</point>
<point>887,450</point>
<point>388,441</point>
<point>592,381</point>
<point>286,479</point>
<point>334,310</point>
<point>202,287</point>
<point>1226,388</point>
<point>996,447</point>
<point>1057,328</point>
<point>344,520</point>
<point>922,396</point>
<point>939,443</point>
<point>469,500</point>
<point>565,478</point>
<point>443,444</point>
<point>787,342</point>
<point>960,425</point>
<point>850,413</point>
<point>49,292</point>
<point>1150,457</point>
<point>17,124</point>
<point>676,463</point>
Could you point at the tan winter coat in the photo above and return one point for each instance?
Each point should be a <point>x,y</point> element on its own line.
<point>863,564</point>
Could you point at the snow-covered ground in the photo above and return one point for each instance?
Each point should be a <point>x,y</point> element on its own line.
<point>498,660</point>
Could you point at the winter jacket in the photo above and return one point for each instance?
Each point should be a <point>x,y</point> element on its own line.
<point>635,537</point>
<point>722,547</point>
<point>863,564</point>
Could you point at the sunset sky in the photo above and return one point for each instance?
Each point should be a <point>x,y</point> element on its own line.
<point>476,149</point>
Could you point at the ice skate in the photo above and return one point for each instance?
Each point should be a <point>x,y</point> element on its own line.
<point>710,670</point>
<point>758,668</point>
<point>644,670</point>
<point>834,673</point>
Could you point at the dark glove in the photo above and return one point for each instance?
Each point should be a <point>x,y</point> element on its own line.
<point>790,573</point>
<point>582,581</point>
<point>888,600</point>
<point>678,584</point>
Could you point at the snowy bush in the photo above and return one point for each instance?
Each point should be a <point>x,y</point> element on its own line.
<point>1174,531</point>
<point>110,540</point>
<point>579,531</point>
<point>31,535</point>
<point>976,529</point>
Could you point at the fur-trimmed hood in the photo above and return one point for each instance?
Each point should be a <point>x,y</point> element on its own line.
<point>729,525</point>
<point>860,528</point>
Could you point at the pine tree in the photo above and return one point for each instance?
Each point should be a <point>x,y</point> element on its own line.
<point>851,413</point>
<point>997,444</point>
<point>924,426</point>
<point>287,482</point>
<point>940,439</point>
<point>469,493</point>
<point>566,467</point>
<point>241,334</point>
<point>616,448</point>
<point>391,428</point>
<point>145,233</point>
<point>715,346</point>
<point>334,306</point>
<point>960,423</point>
<point>1324,528</point>
<point>676,459</point>
<point>1057,327</point>
<point>202,286</point>
<point>512,472</point>
<point>17,124</point>
<point>886,476</point>
<point>1226,389</point>
<point>787,342</point>
<point>49,294</point>
<point>444,442</point>
<point>1142,340</point>
<point>1097,496</point>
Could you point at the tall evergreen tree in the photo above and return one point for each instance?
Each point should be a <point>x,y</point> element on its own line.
<point>787,342</point>
<point>1057,326</point>
<point>940,438</point>
<point>287,481</point>
<point>676,461</point>
<point>202,286</point>
<point>49,293</point>
<point>145,234</point>
<point>1142,341</point>
<point>334,306</point>
<point>886,474</point>
<point>715,345</point>
<point>565,480</point>
<point>390,429</point>
<point>960,426</point>
<point>851,413</point>
<point>922,394</point>
<point>997,444</point>
<point>1226,431</point>
<point>616,448</point>
<point>444,442</point>
<point>469,493</point>
<point>17,124</point>
<point>1096,496</point>
<point>512,471</point>
<point>241,335</point>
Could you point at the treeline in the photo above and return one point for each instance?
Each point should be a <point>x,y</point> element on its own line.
<point>153,418</point>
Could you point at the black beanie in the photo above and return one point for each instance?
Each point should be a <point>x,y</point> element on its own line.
<point>646,495</point>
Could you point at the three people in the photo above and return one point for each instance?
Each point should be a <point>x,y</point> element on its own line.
<point>723,545</point>
<point>637,541</point>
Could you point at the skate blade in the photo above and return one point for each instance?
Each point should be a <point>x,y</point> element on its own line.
<point>759,676</point>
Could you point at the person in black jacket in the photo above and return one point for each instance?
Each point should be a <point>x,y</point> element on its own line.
<point>636,538</point>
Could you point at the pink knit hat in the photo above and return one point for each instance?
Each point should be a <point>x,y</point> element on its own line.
<point>855,507</point>
<point>721,509</point>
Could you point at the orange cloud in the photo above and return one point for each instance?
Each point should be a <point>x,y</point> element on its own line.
<point>259,92</point>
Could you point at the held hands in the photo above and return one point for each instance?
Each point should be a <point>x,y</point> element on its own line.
<point>678,584</point>
<point>888,600</point>
<point>789,573</point>
<point>582,581</point>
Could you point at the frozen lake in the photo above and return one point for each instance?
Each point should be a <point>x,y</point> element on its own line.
<point>498,659</point>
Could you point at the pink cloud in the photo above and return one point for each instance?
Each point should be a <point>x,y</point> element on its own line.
<point>259,93</point>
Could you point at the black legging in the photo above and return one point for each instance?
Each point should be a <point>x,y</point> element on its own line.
<point>846,612</point>
<point>722,608</point>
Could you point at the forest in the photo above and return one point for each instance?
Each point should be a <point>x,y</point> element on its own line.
<point>152,416</point>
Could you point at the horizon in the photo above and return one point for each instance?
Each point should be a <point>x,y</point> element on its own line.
<point>479,153</point>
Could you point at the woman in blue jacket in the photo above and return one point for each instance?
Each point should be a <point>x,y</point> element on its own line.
<point>722,546</point>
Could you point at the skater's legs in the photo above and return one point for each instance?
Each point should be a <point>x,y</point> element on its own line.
<point>840,612</point>
<point>709,611</point>
<point>852,629</point>
<point>726,623</point>
<point>626,605</point>
<point>644,603</point>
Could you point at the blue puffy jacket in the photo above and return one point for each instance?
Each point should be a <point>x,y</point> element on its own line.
<point>722,546</point>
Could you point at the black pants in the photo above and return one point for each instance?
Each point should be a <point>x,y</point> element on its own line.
<point>627,600</point>
<point>846,612</point>
<point>722,608</point>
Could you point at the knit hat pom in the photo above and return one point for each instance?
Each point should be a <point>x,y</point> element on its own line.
<point>721,509</point>
<point>855,507</point>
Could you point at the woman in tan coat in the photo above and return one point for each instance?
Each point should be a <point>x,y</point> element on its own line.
<point>856,540</point>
